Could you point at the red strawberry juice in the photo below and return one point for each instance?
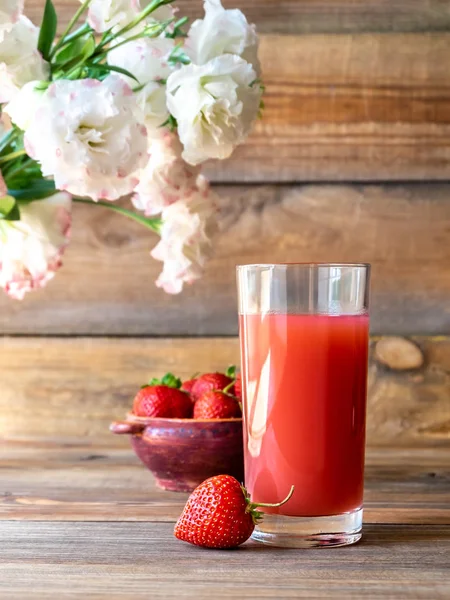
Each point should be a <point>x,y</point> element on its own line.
<point>304,393</point>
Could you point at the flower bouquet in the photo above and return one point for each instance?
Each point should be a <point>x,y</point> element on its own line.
<point>127,101</point>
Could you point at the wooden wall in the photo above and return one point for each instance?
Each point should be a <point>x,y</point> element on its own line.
<point>351,163</point>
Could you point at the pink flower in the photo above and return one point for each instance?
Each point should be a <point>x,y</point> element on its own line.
<point>167,178</point>
<point>89,136</point>
<point>31,249</point>
<point>3,188</point>
<point>148,60</point>
<point>185,242</point>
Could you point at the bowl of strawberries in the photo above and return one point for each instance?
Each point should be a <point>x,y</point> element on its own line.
<point>186,432</point>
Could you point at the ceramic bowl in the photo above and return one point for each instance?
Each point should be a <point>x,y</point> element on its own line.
<point>181,453</point>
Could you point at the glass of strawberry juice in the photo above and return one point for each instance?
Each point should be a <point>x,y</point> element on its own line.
<point>304,348</point>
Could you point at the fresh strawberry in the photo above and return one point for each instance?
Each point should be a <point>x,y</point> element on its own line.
<point>217,405</point>
<point>187,386</point>
<point>162,401</point>
<point>238,387</point>
<point>163,398</point>
<point>208,382</point>
<point>219,514</point>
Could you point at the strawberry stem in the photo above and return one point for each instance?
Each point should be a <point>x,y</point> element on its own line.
<point>252,507</point>
<point>264,505</point>
<point>228,388</point>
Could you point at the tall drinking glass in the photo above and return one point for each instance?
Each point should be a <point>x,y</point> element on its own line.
<point>304,345</point>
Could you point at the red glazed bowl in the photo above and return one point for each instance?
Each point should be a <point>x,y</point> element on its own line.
<point>181,453</point>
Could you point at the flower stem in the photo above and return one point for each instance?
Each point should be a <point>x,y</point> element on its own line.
<point>142,15</point>
<point>69,27</point>
<point>85,28</point>
<point>28,162</point>
<point>132,38</point>
<point>9,137</point>
<point>153,224</point>
<point>12,156</point>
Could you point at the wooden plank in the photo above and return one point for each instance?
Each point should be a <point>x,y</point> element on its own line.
<point>75,387</point>
<point>139,560</point>
<point>106,286</point>
<point>63,481</point>
<point>349,108</point>
<point>308,16</point>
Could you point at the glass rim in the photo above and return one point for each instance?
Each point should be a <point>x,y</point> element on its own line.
<point>305,264</point>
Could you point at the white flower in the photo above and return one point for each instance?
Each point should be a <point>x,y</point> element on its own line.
<point>152,101</point>
<point>222,32</point>
<point>163,13</point>
<point>214,105</point>
<point>90,137</point>
<point>185,242</point>
<point>24,105</point>
<point>31,249</point>
<point>10,11</point>
<point>167,178</point>
<point>107,14</point>
<point>148,60</point>
<point>20,61</point>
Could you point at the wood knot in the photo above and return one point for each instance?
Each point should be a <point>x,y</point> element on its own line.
<point>399,354</point>
<point>116,239</point>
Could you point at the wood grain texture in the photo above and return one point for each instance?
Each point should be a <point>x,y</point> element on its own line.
<point>107,283</point>
<point>85,480</point>
<point>349,107</point>
<point>76,387</point>
<point>309,16</point>
<point>142,560</point>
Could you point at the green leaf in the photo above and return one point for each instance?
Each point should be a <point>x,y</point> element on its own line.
<point>169,380</point>
<point>8,138</point>
<point>8,209</point>
<point>231,372</point>
<point>177,29</point>
<point>36,190</point>
<point>14,215</point>
<point>81,48</point>
<point>170,123</point>
<point>106,69</point>
<point>18,178</point>
<point>48,30</point>
<point>42,86</point>
<point>6,205</point>
<point>179,57</point>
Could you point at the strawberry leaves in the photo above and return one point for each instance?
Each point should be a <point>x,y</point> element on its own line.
<point>231,372</point>
<point>169,380</point>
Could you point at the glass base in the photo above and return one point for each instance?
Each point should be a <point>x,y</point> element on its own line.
<point>310,532</point>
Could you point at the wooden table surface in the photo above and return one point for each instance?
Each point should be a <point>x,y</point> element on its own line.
<point>85,521</point>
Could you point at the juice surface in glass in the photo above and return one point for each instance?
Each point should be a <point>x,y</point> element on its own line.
<point>304,386</point>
